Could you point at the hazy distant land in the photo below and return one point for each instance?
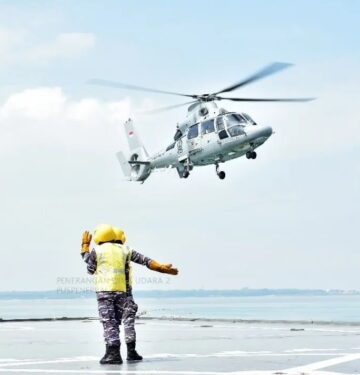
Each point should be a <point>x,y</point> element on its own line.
<point>244,292</point>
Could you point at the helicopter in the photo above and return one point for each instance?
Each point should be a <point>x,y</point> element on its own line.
<point>209,135</point>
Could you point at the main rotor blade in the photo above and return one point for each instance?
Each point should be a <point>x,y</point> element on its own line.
<point>104,82</point>
<point>267,99</point>
<point>138,162</point>
<point>268,70</point>
<point>168,108</point>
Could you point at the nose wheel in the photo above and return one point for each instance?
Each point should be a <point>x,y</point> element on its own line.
<point>187,168</point>
<point>221,174</point>
<point>251,155</point>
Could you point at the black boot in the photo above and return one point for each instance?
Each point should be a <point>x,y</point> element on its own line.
<point>132,354</point>
<point>112,356</point>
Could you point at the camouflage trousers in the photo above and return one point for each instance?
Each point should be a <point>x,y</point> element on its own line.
<point>130,310</point>
<point>115,307</point>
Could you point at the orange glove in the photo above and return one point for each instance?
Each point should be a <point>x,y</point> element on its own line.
<point>163,268</point>
<point>85,244</point>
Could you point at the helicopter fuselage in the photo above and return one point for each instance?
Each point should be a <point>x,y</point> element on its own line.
<point>211,136</point>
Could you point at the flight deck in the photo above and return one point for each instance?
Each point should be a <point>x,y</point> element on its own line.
<point>183,347</point>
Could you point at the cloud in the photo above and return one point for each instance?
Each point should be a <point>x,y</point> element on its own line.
<point>45,115</point>
<point>65,45</point>
<point>38,103</point>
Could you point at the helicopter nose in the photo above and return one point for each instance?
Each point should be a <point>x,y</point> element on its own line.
<point>267,131</point>
<point>260,132</point>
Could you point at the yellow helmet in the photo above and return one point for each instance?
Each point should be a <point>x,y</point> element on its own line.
<point>103,233</point>
<point>119,235</point>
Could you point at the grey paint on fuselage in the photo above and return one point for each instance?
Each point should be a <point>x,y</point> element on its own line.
<point>209,135</point>
<point>208,148</point>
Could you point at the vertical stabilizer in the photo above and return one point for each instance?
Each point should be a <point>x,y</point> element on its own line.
<point>136,167</point>
<point>133,138</point>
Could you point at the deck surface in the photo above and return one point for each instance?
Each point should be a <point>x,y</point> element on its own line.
<point>193,348</point>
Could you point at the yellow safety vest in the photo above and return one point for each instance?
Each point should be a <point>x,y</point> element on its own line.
<point>110,268</point>
<point>127,251</point>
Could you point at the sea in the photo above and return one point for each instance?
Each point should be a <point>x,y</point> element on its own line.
<point>324,308</point>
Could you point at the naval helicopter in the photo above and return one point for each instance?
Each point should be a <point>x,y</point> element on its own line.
<point>209,135</point>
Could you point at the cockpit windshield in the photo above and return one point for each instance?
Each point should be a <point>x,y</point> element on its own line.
<point>235,124</point>
<point>252,122</point>
<point>234,119</point>
<point>236,130</point>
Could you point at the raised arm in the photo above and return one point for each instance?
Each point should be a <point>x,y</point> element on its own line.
<point>88,256</point>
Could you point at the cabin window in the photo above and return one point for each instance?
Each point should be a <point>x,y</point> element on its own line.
<point>193,131</point>
<point>207,127</point>
<point>223,134</point>
<point>220,123</point>
<point>168,148</point>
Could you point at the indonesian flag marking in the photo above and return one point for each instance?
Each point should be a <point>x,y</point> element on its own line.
<point>131,133</point>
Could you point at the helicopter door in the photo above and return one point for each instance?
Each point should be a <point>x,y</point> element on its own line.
<point>193,139</point>
<point>220,126</point>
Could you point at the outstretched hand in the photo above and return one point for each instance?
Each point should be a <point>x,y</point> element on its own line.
<point>163,268</point>
<point>168,268</point>
<point>86,240</point>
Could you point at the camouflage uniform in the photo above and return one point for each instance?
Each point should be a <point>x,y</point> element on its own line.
<point>115,307</point>
<point>111,308</point>
<point>130,310</point>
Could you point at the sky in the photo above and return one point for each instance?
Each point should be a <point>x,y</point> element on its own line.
<point>289,219</point>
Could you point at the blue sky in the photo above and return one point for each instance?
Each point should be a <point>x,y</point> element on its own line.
<point>288,219</point>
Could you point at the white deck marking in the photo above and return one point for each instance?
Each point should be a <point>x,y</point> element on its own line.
<point>305,350</point>
<point>233,354</point>
<point>309,369</point>
<point>323,364</point>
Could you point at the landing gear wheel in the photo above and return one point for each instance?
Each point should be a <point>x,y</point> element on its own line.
<point>251,155</point>
<point>221,175</point>
<point>186,174</point>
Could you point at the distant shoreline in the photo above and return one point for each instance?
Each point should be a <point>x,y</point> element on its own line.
<point>200,320</point>
<point>198,293</point>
